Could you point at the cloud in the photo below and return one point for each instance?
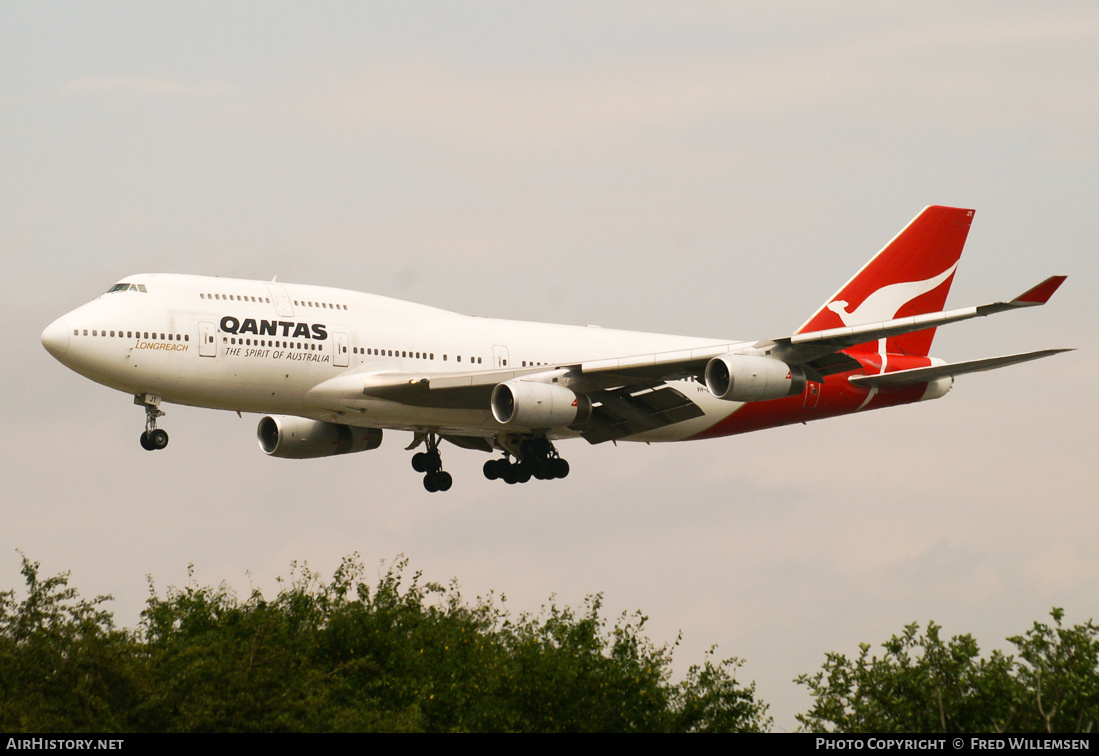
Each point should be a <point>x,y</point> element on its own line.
<point>144,87</point>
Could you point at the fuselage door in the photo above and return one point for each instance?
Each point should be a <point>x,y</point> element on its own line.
<point>339,350</point>
<point>281,300</point>
<point>207,340</point>
<point>500,356</point>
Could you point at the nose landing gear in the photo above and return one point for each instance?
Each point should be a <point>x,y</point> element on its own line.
<point>152,438</point>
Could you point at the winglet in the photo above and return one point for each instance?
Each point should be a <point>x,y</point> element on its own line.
<point>1041,293</point>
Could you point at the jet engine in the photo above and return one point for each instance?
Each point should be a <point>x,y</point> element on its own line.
<point>528,404</point>
<point>300,438</point>
<point>751,378</point>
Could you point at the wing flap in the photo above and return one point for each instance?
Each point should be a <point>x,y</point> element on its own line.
<point>634,409</point>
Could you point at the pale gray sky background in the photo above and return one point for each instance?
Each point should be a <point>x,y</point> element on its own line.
<point>710,169</point>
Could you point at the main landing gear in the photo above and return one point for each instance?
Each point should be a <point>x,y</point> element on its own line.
<point>431,464</point>
<point>152,438</point>
<point>535,458</point>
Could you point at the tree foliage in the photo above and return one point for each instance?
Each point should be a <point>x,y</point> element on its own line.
<point>342,655</point>
<point>63,664</point>
<point>1058,676</point>
<point>924,683</point>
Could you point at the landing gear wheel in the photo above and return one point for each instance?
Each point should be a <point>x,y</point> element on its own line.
<point>560,468</point>
<point>439,481</point>
<point>152,439</point>
<point>491,470</point>
<point>534,457</point>
<point>431,464</point>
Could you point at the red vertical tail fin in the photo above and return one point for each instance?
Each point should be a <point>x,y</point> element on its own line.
<point>910,276</point>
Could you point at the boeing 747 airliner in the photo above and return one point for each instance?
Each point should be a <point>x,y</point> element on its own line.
<point>330,369</point>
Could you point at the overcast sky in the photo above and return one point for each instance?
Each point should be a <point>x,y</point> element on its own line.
<point>712,169</point>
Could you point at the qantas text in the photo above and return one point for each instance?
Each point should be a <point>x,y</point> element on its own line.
<point>317,331</point>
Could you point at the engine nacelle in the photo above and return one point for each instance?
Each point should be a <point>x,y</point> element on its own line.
<point>300,438</point>
<point>528,404</point>
<point>751,378</point>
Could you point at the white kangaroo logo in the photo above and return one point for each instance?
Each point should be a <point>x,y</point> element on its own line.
<point>886,302</point>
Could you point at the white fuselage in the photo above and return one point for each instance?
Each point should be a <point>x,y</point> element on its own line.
<point>255,346</point>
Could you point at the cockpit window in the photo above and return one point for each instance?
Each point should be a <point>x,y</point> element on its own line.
<point>127,287</point>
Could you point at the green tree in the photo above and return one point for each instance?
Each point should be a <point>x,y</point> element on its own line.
<point>710,699</point>
<point>214,663</point>
<point>342,655</point>
<point>63,664</point>
<point>1058,676</point>
<point>923,683</point>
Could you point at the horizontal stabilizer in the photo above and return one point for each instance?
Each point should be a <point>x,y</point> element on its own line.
<point>903,378</point>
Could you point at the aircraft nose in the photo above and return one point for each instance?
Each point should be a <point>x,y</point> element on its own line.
<point>56,338</point>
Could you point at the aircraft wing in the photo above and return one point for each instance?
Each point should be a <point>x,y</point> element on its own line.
<point>471,390</point>
<point>804,348</point>
<point>819,352</point>
<point>630,394</point>
<point>618,410</point>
